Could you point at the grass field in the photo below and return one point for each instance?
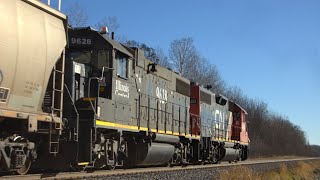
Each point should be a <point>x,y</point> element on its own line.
<point>302,170</point>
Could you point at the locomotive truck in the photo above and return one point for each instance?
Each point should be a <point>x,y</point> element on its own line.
<point>74,97</point>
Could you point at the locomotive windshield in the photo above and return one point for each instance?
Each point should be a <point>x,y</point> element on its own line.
<point>103,58</point>
<point>80,56</point>
<point>98,60</point>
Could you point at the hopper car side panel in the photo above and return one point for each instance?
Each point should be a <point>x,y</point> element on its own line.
<point>33,40</point>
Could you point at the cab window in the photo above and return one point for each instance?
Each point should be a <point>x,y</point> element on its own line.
<point>103,59</point>
<point>80,56</point>
<point>122,66</point>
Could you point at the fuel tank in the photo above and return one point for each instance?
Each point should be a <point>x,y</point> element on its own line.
<point>151,154</point>
<point>165,138</point>
<point>231,154</point>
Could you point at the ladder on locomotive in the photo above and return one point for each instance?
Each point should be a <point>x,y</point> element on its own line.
<point>56,109</point>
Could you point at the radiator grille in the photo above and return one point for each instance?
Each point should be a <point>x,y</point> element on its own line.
<point>205,97</point>
<point>182,87</point>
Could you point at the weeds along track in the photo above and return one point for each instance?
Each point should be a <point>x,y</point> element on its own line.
<point>249,168</point>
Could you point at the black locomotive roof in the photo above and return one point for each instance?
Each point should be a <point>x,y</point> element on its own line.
<point>112,42</point>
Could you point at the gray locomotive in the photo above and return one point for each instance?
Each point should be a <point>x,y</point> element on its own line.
<point>100,104</point>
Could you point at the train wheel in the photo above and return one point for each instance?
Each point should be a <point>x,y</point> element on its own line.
<point>74,167</point>
<point>27,164</point>
<point>113,165</point>
<point>214,160</point>
<point>25,169</point>
<point>111,156</point>
<point>169,164</point>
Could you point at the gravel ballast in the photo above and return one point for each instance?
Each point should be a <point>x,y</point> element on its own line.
<point>198,173</point>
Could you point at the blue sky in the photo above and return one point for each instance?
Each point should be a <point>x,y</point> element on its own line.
<point>269,48</point>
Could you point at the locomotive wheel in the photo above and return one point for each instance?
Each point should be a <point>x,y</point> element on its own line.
<point>112,166</point>
<point>24,170</point>
<point>110,147</point>
<point>109,167</point>
<point>74,167</point>
<point>214,160</point>
<point>170,163</point>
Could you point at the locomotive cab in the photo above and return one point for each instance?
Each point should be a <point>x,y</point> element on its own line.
<point>239,123</point>
<point>97,67</point>
<point>92,55</point>
<point>239,128</point>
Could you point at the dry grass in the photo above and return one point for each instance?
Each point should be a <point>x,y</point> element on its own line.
<point>276,157</point>
<point>303,170</point>
<point>237,172</point>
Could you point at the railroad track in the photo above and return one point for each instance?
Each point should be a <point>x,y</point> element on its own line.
<point>148,172</point>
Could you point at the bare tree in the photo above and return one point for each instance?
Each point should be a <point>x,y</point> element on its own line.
<point>187,61</point>
<point>183,54</point>
<point>162,58</point>
<point>77,15</point>
<point>132,43</point>
<point>270,133</point>
<point>207,74</point>
<point>155,55</point>
<point>149,52</point>
<point>110,21</point>
<point>234,93</point>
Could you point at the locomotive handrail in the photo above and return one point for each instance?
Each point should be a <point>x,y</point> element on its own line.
<point>74,107</point>
<point>160,109</point>
<point>221,129</point>
<point>157,102</point>
<point>194,114</point>
<point>154,97</point>
<point>89,87</point>
<point>186,119</point>
<point>197,122</point>
<point>103,69</point>
<point>99,79</point>
<point>165,115</point>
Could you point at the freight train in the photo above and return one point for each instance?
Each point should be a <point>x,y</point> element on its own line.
<point>75,97</point>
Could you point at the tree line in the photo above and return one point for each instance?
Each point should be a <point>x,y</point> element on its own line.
<point>271,134</point>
